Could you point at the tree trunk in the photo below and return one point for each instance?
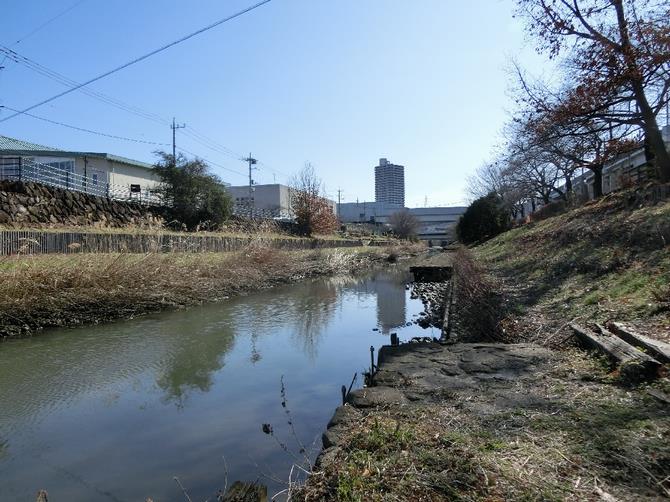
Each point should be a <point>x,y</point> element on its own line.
<point>651,131</point>
<point>657,146</point>
<point>648,153</point>
<point>568,184</point>
<point>597,180</point>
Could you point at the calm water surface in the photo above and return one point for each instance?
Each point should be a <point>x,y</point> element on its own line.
<point>114,412</point>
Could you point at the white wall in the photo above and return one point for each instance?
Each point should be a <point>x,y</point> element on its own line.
<point>125,175</point>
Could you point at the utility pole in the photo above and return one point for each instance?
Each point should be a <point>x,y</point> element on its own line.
<point>174,128</point>
<point>339,200</point>
<point>251,162</point>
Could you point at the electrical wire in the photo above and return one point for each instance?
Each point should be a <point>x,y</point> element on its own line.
<point>53,75</point>
<point>98,133</point>
<point>49,21</point>
<point>190,132</point>
<point>68,82</point>
<point>184,150</point>
<point>141,58</point>
<point>43,25</point>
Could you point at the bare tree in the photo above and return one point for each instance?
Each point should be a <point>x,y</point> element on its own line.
<point>617,56</point>
<point>312,212</point>
<point>404,224</point>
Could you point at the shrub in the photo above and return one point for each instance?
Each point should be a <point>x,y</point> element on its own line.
<point>486,217</point>
<point>404,224</point>
<point>193,195</point>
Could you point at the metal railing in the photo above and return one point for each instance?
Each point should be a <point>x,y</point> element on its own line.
<point>247,211</point>
<point>27,170</point>
<point>13,242</point>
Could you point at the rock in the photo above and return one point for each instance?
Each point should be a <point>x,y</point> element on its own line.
<point>376,396</point>
<point>344,415</point>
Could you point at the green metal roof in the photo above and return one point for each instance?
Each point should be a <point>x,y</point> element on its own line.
<point>13,146</point>
<point>7,143</point>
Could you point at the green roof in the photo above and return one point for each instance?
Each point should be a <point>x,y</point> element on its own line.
<point>13,146</point>
<point>7,143</point>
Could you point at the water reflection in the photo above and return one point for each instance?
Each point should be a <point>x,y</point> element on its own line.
<point>164,395</point>
<point>195,358</point>
<point>313,314</point>
<point>391,299</point>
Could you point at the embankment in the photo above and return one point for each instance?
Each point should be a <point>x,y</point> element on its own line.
<point>513,411</point>
<point>606,260</point>
<point>43,291</point>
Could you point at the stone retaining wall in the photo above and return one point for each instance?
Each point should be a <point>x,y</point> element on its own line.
<point>25,203</point>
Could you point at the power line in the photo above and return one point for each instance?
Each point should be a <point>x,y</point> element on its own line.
<point>43,25</point>
<point>49,21</point>
<point>62,79</point>
<point>141,58</point>
<point>191,133</point>
<point>113,136</point>
<point>205,138</point>
<point>211,145</point>
<point>184,150</point>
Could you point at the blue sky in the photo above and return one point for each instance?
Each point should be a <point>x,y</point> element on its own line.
<point>338,83</point>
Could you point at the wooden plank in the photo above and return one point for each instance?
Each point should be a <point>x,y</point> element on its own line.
<point>657,349</point>
<point>633,363</point>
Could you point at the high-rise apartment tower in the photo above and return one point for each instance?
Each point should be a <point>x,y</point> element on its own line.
<point>390,183</point>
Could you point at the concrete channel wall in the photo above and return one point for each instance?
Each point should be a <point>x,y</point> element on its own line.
<point>39,242</point>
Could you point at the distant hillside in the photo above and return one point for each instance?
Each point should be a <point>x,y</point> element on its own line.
<point>609,259</point>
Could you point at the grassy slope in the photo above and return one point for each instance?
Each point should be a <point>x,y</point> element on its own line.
<point>609,259</point>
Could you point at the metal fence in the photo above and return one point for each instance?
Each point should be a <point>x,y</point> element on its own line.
<point>13,242</point>
<point>246,211</point>
<point>22,169</point>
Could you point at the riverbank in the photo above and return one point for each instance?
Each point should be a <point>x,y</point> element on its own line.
<point>39,292</point>
<point>493,422</point>
<point>513,410</point>
<point>607,260</point>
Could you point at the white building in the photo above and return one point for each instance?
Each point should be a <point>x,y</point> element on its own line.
<point>389,183</point>
<point>96,173</point>
<point>628,168</point>
<point>436,223</point>
<point>265,201</point>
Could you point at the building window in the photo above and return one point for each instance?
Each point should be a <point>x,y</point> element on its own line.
<point>67,165</point>
<point>94,179</point>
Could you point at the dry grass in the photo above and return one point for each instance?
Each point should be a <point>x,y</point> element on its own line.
<point>234,228</point>
<point>606,260</point>
<point>57,290</point>
<point>570,435</point>
<point>479,306</point>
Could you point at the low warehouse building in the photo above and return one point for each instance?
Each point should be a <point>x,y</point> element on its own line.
<point>102,174</point>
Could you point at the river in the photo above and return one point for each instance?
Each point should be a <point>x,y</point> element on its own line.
<point>114,412</point>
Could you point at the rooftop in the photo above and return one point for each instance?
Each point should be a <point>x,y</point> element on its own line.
<point>12,146</point>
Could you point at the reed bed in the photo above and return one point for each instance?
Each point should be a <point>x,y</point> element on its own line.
<point>38,292</point>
